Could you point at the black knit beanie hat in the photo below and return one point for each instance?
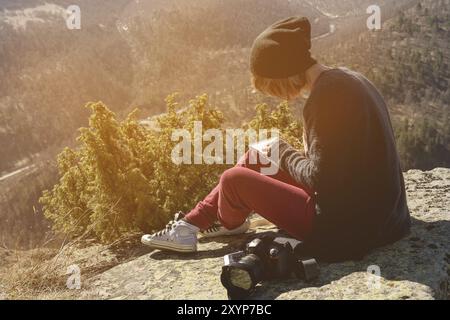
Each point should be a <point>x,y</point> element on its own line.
<point>282,50</point>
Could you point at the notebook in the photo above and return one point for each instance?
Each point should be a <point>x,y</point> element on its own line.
<point>273,159</point>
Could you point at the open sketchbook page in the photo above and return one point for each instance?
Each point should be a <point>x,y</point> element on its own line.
<point>273,159</point>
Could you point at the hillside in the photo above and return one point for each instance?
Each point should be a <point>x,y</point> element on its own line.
<point>416,267</point>
<point>51,72</point>
<point>22,224</point>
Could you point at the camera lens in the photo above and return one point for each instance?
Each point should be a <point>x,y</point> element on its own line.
<point>241,277</point>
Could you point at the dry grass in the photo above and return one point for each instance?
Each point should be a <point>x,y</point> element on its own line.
<point>33,274</point>
<point>42,273</point>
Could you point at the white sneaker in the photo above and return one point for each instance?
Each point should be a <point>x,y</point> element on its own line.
<point>217,230</point>
<point>178,236</point>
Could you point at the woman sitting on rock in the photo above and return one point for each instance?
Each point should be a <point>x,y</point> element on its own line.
<point>344,195</point>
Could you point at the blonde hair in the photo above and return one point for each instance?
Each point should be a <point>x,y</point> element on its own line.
<point>287,88</point>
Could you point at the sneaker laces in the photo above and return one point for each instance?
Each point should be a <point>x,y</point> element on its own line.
<point>177,217</point>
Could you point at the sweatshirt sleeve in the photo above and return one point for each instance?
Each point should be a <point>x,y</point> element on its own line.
<point>321,121</point>
<point>303,169</point>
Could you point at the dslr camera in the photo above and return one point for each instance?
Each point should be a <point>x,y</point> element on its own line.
<point>265,258</point>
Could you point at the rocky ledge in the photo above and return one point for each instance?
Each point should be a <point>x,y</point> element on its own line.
<point>416,267</point>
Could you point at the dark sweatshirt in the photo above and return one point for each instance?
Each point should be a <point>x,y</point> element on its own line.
<point>352,165</point>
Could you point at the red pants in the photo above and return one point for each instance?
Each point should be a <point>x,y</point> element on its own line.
<point>243,189</point>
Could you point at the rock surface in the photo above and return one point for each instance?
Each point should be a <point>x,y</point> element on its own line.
<point>416,267</point>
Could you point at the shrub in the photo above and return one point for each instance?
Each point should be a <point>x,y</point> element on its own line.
<point>122,179</point>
